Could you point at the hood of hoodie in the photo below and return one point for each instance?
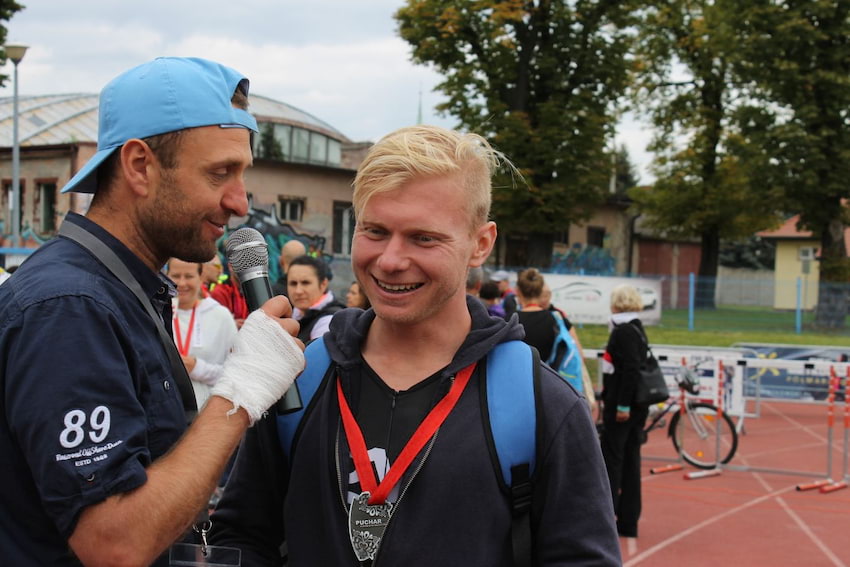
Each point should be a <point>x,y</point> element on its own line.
<point>349,327</point>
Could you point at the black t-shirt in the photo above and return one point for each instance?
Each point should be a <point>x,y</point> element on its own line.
<point>540,330</point>
<point>389,418</point>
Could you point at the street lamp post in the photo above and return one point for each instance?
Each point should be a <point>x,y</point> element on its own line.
<point>16,53</point>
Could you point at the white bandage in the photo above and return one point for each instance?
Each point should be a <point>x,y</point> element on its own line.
<point>262,365</point>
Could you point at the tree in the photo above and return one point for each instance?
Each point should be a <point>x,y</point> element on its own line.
<point>540,79</point>
<point>705,185</point>
<point>625,174</point>
<point>7,10</point>
<point>797,55</point>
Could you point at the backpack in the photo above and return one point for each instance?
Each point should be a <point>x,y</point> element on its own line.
<point>569,366</point>
<point>512,372</point>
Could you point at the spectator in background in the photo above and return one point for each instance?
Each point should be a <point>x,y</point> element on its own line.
<point>587,382</point>
<point>291,250</point>
<point>229,294</point>
<point>508,296</point>
<point>540,327</point>
<point>204,331</point>
<point>492,299</point>
<point>474,277</point>
<point>356,298</point>
<point>211,275</point>
<point>623,422</point>
<point>314,303</point>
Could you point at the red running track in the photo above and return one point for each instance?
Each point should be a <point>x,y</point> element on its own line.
<point>748,517</point>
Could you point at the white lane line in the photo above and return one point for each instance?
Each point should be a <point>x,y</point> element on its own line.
<point>806,530</point>
<point>695,528</point>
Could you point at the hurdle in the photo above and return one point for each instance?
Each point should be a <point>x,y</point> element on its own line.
<point>827,484</point>
<point>845,452</point>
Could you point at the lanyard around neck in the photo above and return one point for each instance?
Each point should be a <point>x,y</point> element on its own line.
<point>360,454</point>
<point>181,346</point>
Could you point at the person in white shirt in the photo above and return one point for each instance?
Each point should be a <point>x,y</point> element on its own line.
<point>204,330</point>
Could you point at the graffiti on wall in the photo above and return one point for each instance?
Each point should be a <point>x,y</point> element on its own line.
<point>265,220</point>
<point>584,259</point>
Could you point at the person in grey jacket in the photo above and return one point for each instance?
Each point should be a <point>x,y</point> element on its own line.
<point>422,200</point>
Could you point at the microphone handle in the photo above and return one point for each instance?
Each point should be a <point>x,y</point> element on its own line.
<point>257,290</point>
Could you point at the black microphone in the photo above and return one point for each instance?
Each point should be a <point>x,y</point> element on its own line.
<point>248,255</point>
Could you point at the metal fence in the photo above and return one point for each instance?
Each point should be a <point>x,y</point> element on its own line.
<point>731,303</point>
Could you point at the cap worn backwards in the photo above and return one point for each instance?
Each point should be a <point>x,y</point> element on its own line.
<point>161,96</point>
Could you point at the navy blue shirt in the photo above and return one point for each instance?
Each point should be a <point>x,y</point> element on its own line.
<point>88,400</point>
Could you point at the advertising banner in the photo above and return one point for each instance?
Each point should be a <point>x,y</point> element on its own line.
<point>587,299</point>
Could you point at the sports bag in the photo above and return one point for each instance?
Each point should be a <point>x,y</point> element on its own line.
<point>569,366</point>
<point>652,386</point>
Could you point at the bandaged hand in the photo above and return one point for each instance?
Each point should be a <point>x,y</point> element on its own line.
<point>262,365</point>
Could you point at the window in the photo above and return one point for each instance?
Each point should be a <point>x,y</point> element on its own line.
<point>596,236</point>
<point>300,144</point>
<point>343,227</point>
<point>334,152</point>
<point>291,209</point>
<point>44,214</point>
<point>283,137</point>
<point>318,148</point>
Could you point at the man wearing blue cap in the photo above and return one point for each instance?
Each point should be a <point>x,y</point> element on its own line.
<point>99,466</point>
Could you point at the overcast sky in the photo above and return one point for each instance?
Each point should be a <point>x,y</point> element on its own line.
<point>340,60</point>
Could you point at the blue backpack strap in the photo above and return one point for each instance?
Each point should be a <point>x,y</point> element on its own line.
<point>511,405</point>
<point>318,361</point>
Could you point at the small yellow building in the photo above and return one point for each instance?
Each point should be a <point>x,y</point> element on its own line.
<point>797,253</point>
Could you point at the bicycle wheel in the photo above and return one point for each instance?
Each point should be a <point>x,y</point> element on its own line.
<point>694,434</point>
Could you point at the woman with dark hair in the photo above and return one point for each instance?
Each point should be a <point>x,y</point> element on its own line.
<point>313,303</point>
<point>622,421</point>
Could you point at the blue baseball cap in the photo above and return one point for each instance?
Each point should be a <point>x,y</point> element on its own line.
<point>161,96</point>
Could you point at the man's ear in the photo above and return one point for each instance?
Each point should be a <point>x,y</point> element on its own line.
<point>485,239</point>
<point>138,166</point>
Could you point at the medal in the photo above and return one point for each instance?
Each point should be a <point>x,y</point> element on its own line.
<point>366,525</point>
<point>370,512</point>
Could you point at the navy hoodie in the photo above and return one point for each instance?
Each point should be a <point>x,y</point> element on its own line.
<point>455,509</point>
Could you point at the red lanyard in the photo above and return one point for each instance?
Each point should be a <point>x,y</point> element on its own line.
<point>423,433</point>
<point>182,347</point>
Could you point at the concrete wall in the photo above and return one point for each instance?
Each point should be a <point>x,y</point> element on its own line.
<point>740,286</point>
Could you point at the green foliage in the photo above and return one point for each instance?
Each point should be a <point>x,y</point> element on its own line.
<point>626,175</point>
<point>7,10</point>
<point>541,80</point>
<point>796,56</point>
<point>707,184</point>
<point>753,253</point>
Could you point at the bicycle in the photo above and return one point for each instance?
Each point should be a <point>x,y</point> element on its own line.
<point>693,427</point>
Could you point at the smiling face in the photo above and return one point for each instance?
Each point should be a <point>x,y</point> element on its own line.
<point>192,202</point>
<point>412,247</point>
<point>303,286</point>
<point>187,278</point>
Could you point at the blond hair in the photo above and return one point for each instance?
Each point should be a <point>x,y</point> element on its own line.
<point>625,298</point>
<point>429,151</point>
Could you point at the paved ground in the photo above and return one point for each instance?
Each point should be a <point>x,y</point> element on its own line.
<point>750,515</point>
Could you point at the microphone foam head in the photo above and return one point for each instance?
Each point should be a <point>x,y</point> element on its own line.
<point>246,250</point>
